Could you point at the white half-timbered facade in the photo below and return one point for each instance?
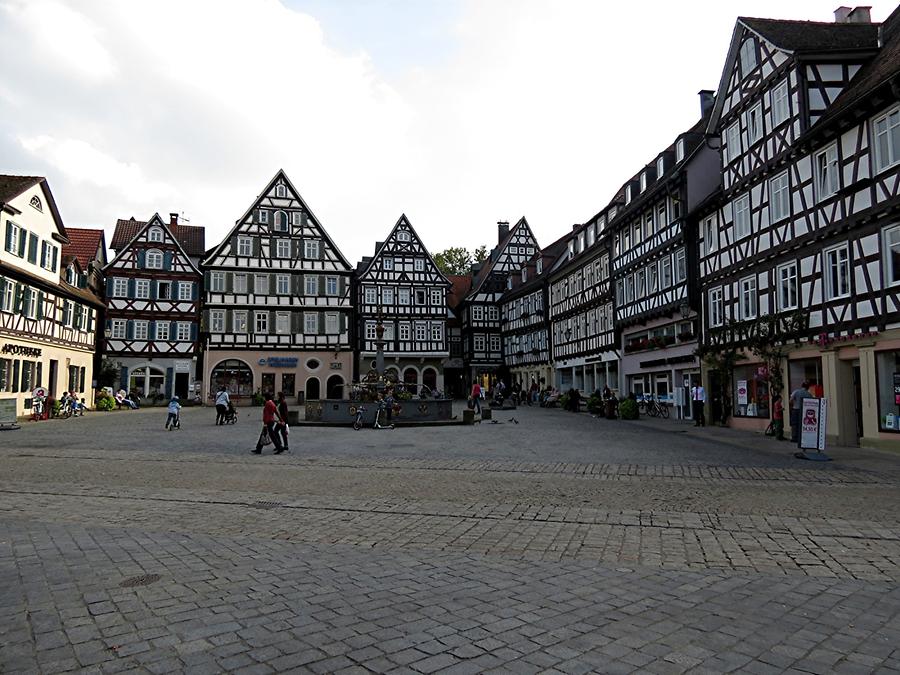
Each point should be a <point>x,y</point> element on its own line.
<point>797,253</point>
<point>401,288</point>
<point>278,307</point>
<point>482,338</point>
<point>48,320</point>
<point>153,310</point>
<point>582,317</point>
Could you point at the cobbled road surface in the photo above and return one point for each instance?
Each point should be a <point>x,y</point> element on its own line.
<point>548,542</point>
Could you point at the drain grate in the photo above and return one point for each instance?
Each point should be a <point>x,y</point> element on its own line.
<point>266,505</point>
<point>142,580</point>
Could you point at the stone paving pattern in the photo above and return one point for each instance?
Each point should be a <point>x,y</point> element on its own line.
<point>402,552</point>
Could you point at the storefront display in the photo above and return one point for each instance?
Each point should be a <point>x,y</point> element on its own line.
<point>806,370</point>
<point>751,391</point>
<point>887,365</point>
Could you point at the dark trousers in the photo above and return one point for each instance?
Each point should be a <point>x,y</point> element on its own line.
<point>698,413</point>
<point>221,410</point>
<point>171,419</point>
<point>795,425</point>
<point>273,431</point>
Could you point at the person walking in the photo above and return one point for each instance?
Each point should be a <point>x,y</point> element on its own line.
<point>270,422</point>
<point>476,397</point>
<point>283,429</point>
<point>222,400</point>
<point>796,403</point>
<point>172,419</point>
<point>698,403</point>
<point>777,417</point>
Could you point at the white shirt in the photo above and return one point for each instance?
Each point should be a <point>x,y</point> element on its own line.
<point>222,398</point>
<point>698,393</point>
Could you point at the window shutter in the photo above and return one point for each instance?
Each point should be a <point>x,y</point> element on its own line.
<point>167,260</point>
<point>129,330</point>
<point>40,306</point>
<point>131,291</point>
<point>32,248</point>
<point>342,286</point>
<point>170,375</point>
<point>251,283</point>
<point>204,320</point>
<point>296,322</point>
<point>272,321</point>
<point>195,291</point>
<point>141,259</point>
<point>229,282</point>
<point>153,290</point>
<point>18,298</point>
<point>234,245</point>
<point>81,377</point>
<point>255,249</point>
<point>9,236</point>
<point>173,330</point>
<point>23,242</point>
<point>295,248</point>
<point>321,317</point>
<point>123,378</point>
<point>40,374</point>
<point>207,284</point>
<point>229,323</point>
<point>15,377</point>
<point>194,331</point>
<point>151,330</point>
<point>321,284</point>
<point>55,259</point>
<point>273,247</point>
<point>44,251</point>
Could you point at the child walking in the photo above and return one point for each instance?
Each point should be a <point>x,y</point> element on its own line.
<point>172,421</point>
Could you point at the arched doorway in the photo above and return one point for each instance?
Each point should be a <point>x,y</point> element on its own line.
<point>234,375</point>
<point>312,389</point>
<point>147,381</point>
<point>335,387</point>
<point>429,378</point>
<point>410,376</point>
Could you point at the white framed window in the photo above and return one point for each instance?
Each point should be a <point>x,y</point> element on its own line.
<point>680,266</point>
<point>217,321</point>
<point>886,138</point>
<point>781,110</point>
<point>261,322</point>
<point>437,297</point>
<point>628,194</point>
<point>716,307</point>
<point>827,172</point>
<point>142,289</point>
<point>404,331</point>
<point>279,190</point>
<point>387,295</point>
<point>495,343</point>
<point>183,333</point>
<point>779,197</point>
<point>710,235</point>
<point>155,234</point>
<point>478,342</point>
<point>371,330</point>
<point>387,263</point>
<point>419,265</point>
<point>640,284</point>
<point>312,284</point>
<point>748,298</point>
<point>310,323</point>
<point>162,330</point>
<point>311,248</point>
<point>163,290</point>
<point>643,180</point>
<point>402,296</point>
<point>402,235</point>
<point>283,284</point>
<point>371,295</point>
<point>748,56</point>
<point>331,323</point>
<point>120,287</point>
<point>787,286</point>
<point>733,142</point>
<point>239,321</point>
<point>154,259</point>
<point>140,329</point>
<point>244,246</point>
<point>754,124</point>
<point>420,296</point>
<point>477,313</point>
<point>239,283</point>
<point>7,299</point>
<point>282,323</point>
<point>296,217</point>
<point>421,331</point>
<point>891,250</point>
<point>679,150</point>
<point>660,167</point>
<point>665,272</point>
<point>14,235</point>
<point>283,248</point>
<point>281,222</point>
<point>653,278</point>
<point>49,256</point>
<point>331,286</point>
<point>629,288</point>
<point>741,211</point>
<point>185,290</point>
<point>117,329</point>
<point>837,272</point>
<point>493,313</point>
<point>437,332</point>
<point>261,284</point>
<point>263,216</point>
<point>217,282</point>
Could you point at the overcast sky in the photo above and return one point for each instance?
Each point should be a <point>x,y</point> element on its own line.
<point>458,113</point>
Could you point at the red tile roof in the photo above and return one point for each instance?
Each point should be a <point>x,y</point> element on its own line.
<point>191,237</point>
<point>84,242</point>
<point>459,289</point>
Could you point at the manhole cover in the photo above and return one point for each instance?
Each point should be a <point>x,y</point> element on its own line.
<point>143,580</point>
<point>266,505</point>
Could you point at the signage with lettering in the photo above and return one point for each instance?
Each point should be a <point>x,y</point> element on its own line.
<point>336,365</point>
<point>20,350</point>
<point>896,388</point>
<point>279,362</point>
<point>742,392</point>
<point>182,366</point>
<point>812,423</point>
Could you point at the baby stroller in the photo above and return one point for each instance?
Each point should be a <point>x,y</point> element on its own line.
<point>230,414</point>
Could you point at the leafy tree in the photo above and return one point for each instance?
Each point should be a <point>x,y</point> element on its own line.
<point>454,260</point>
<point>480,254</point>
<point>108,375</point>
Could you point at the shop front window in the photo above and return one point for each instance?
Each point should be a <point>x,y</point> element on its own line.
<point>234,375</point>
<point>661,386</point>
<point>268,384</point>
<point>751,391</point>
<point>887,365</point>
<point>147,382</point>
<point>806,370</point>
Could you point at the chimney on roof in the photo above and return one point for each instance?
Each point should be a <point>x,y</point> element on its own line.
<point>841,14</point>
<point>860,15</point>
<point>173,219</point>
<point>502,230</point>
<point>707,100</point>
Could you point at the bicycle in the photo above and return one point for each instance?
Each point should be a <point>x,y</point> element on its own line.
<point>657,409</point>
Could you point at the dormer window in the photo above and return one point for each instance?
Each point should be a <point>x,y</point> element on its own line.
<point>601,225</point>
<point>628,194</point>
<point>279,190</point>
<point>403,236</point>
<point>748,56</point>
<point>539,266</point>
<point>155,234</point>
<point>36,203</point>
<point>263,216</point>
<point>612,212</point>
<point>509,283</point>
<point>643,181</point>
<point>580,242</point>
<point>679,150</point>
<point>660,167</point>
<point>524,275</point>
<point>571,248</point>
<point>154,259</point>
<point>70,275</point>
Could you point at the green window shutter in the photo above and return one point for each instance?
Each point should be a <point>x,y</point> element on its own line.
<point>9,236</point>
<point>255,241</point>
<point>342,286</point>
<point>229,282</point>
<point>251,283</point>
<point>23,242</point>
<point>321,317</point>
<point>206,282</point>
<point>15,377</point>
<point>295,248</point>
<point>321,284</point>
<point>55,259</point>
<point>40,306</point>
<point>296,322</point>
<point>32,248</point>
<point>18,298</point>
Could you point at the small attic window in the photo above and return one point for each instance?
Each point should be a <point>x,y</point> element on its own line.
<point>279,190</point>
<point>155,234</point>
<point>628,195</point>
<point>539,267</point>
<point>403,236</point>
<point>643,181</point>
<point>509,283</point>
<point>748,56</point>
<point>36,203</point>
<point>660,167</point>
<point>524,275</point>
<point>679,150</point>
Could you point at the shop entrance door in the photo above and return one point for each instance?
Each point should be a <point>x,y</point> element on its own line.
<point>182,380</point>
<point>52,375</point>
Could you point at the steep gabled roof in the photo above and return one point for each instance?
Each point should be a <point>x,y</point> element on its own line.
<point>84,243</point>
<point>12,186</point>
<point>192,238</point>
<point>488,265</point>
<point>402,220</point>
<point>155,221</point>
<point>459,288</point>
<point>813,36</point>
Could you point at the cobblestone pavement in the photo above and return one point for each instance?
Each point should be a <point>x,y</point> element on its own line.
<point>560,544</point>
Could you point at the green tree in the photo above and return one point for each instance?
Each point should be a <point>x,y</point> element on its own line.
<point>480,254</point>
<point>454,260</point>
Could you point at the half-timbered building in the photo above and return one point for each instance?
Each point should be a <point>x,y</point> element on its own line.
<point>654,267</point>
<point>401,288</point>
<point>525,321</point>
<point>582,332</point>
<point>456,379</point>
<point>482,338</point>
<point>278,303</point>
<point>153,308</point>
<point>797,255</point>
<point>47,325</point>
<point>81,265</point>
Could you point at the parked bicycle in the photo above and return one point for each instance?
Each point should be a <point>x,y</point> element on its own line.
<point>653,407</point>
